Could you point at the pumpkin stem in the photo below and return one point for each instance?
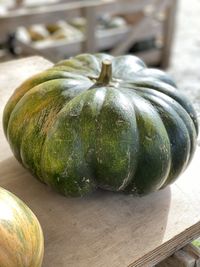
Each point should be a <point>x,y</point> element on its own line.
<point>106,72</point>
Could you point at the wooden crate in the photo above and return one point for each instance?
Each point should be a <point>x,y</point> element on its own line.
<point>188,256</point>
<point>146,18</point>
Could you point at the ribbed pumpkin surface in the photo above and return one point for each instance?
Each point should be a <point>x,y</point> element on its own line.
<point>99,121</point>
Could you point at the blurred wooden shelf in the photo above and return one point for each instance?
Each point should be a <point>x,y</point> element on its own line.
<point>156,18</point>
<point>106,39</point>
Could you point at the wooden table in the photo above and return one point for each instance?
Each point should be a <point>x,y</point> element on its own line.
<point>104,229</point>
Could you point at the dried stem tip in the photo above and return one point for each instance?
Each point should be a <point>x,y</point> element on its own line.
<point>106,72</point>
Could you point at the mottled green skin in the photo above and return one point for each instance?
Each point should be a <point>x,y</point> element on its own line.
<point>135,134</point>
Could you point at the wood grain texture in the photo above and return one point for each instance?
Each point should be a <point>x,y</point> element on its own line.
<point>104,229</point>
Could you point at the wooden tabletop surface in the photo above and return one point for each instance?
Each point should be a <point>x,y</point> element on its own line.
<point>104,229</point>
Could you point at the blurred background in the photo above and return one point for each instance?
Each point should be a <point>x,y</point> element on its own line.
<point>164,33</point>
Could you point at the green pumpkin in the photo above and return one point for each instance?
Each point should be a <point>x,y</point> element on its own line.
<point>101,121</point>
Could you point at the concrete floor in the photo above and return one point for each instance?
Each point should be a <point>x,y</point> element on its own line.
<point>185,58</point>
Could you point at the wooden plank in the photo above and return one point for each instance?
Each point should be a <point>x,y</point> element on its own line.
<point>126,6</point>
<point>169,29</point>
<point>55,51</point>
<point>90,43</point>
<point>103,229</point>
